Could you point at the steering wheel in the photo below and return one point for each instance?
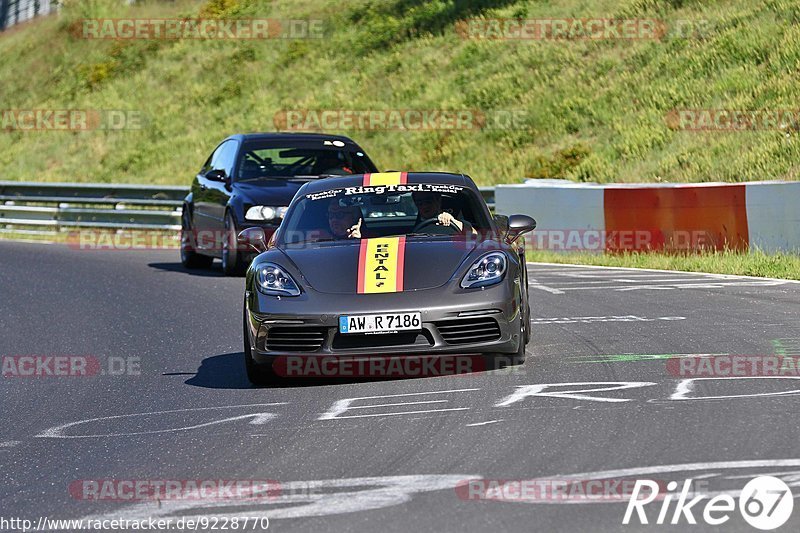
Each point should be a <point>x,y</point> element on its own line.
<point>430,222</point>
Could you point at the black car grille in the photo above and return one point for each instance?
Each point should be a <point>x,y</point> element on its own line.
<point>384,340</point>
<point>469,330</point>
<point>300,339</point>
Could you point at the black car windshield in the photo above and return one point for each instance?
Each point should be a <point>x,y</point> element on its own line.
<point>267,160</point>
<point>416,210</point>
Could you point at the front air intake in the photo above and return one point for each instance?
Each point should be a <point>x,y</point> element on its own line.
<point>469,330</point>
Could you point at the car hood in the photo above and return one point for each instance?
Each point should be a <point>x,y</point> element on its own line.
<point>335,267</point>
<point>268,192</point>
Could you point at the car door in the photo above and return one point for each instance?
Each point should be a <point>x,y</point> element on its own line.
<point>211,196</point>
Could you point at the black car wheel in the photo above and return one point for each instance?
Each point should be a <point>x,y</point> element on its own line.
<point>528,325</point>
<point>498,361</point>
<point>231,257</point>
<point>519,357</point>
<point>189,257</point>
<point>260,375</point>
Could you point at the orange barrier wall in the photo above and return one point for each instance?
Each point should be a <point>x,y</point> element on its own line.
<point>676,217</point>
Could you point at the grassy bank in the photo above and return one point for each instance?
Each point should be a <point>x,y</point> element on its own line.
<point>593,110</point>
<point>784,266</point>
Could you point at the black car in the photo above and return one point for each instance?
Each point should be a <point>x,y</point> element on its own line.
<point>249,180</point>
<point>390,263</point>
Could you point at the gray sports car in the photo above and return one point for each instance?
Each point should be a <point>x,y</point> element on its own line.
<point>391,264</point>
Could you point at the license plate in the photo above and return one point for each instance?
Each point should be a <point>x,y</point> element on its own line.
<point>382,323</point>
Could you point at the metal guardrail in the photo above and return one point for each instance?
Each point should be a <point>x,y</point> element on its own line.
<point>15,11</point>
<point>47,208</point>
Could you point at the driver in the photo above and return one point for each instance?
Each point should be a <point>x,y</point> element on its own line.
<point>331,163</point>
<point>344,221</point>
<point>429,205</point>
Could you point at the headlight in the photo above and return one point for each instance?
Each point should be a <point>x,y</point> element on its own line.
<point>265,212</point>
<point>487,270</point>
<point>275,281</point>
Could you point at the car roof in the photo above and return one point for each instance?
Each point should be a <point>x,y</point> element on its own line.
<point>291,136</point>
<point>445,178</point>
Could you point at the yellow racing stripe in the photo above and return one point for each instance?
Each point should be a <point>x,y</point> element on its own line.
<point>386,178</point>
<point>381,265</point>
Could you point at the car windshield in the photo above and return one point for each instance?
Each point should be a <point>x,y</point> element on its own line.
<point>266,160</point>
<point>415,210</point>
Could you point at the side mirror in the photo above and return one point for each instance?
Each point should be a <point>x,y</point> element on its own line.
<point>519,225</point>
<point>217,175</point>
<point>253,237</point>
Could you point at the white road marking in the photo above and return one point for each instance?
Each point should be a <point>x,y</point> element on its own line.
<point>534,285</point>
<point>527,391</point>
<point>343,405</point>
<point>10,443</point>
<point>57,432</point>
<point>484,423</point>
<point>328,497</point>
<point>686,387</point>
<point>626,280</point>
<point>399,413</point>
<point>592,319</point>
<point>689,285</point>
<point>395,404</point>
<point>29,241</point>
<point>587,277</point>
<point>649,472</point>
<point>633,269</point>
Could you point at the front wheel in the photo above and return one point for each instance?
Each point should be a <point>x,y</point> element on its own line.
<point>519,357</point>
<point>499,361</point>
<point>231,257</point>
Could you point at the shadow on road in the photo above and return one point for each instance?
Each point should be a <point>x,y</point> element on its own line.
<point>213,272</point>
<point>221,372</point>
<point>227,371</point>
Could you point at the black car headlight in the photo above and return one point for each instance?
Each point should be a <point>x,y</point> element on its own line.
<point>488,270</point>
<point>275,281</point>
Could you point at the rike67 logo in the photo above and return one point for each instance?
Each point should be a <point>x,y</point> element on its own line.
<point>765,503</point>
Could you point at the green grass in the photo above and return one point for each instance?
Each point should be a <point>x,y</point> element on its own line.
<point>759,264</point>
<point>593,110</point>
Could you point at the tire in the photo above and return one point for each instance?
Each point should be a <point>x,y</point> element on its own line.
<point>259,375</point>
<point>499,361</point>
<point>189,257</point>
<point>518,357</point>
<point>232,261</point>
<point>528,326</point>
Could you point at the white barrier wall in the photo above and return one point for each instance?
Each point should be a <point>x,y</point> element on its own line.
<point>773,216</point>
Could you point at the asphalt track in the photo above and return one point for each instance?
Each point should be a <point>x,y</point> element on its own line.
<point>381,462</point>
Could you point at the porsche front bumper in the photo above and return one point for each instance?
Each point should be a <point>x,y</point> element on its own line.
<point>454,321</point>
